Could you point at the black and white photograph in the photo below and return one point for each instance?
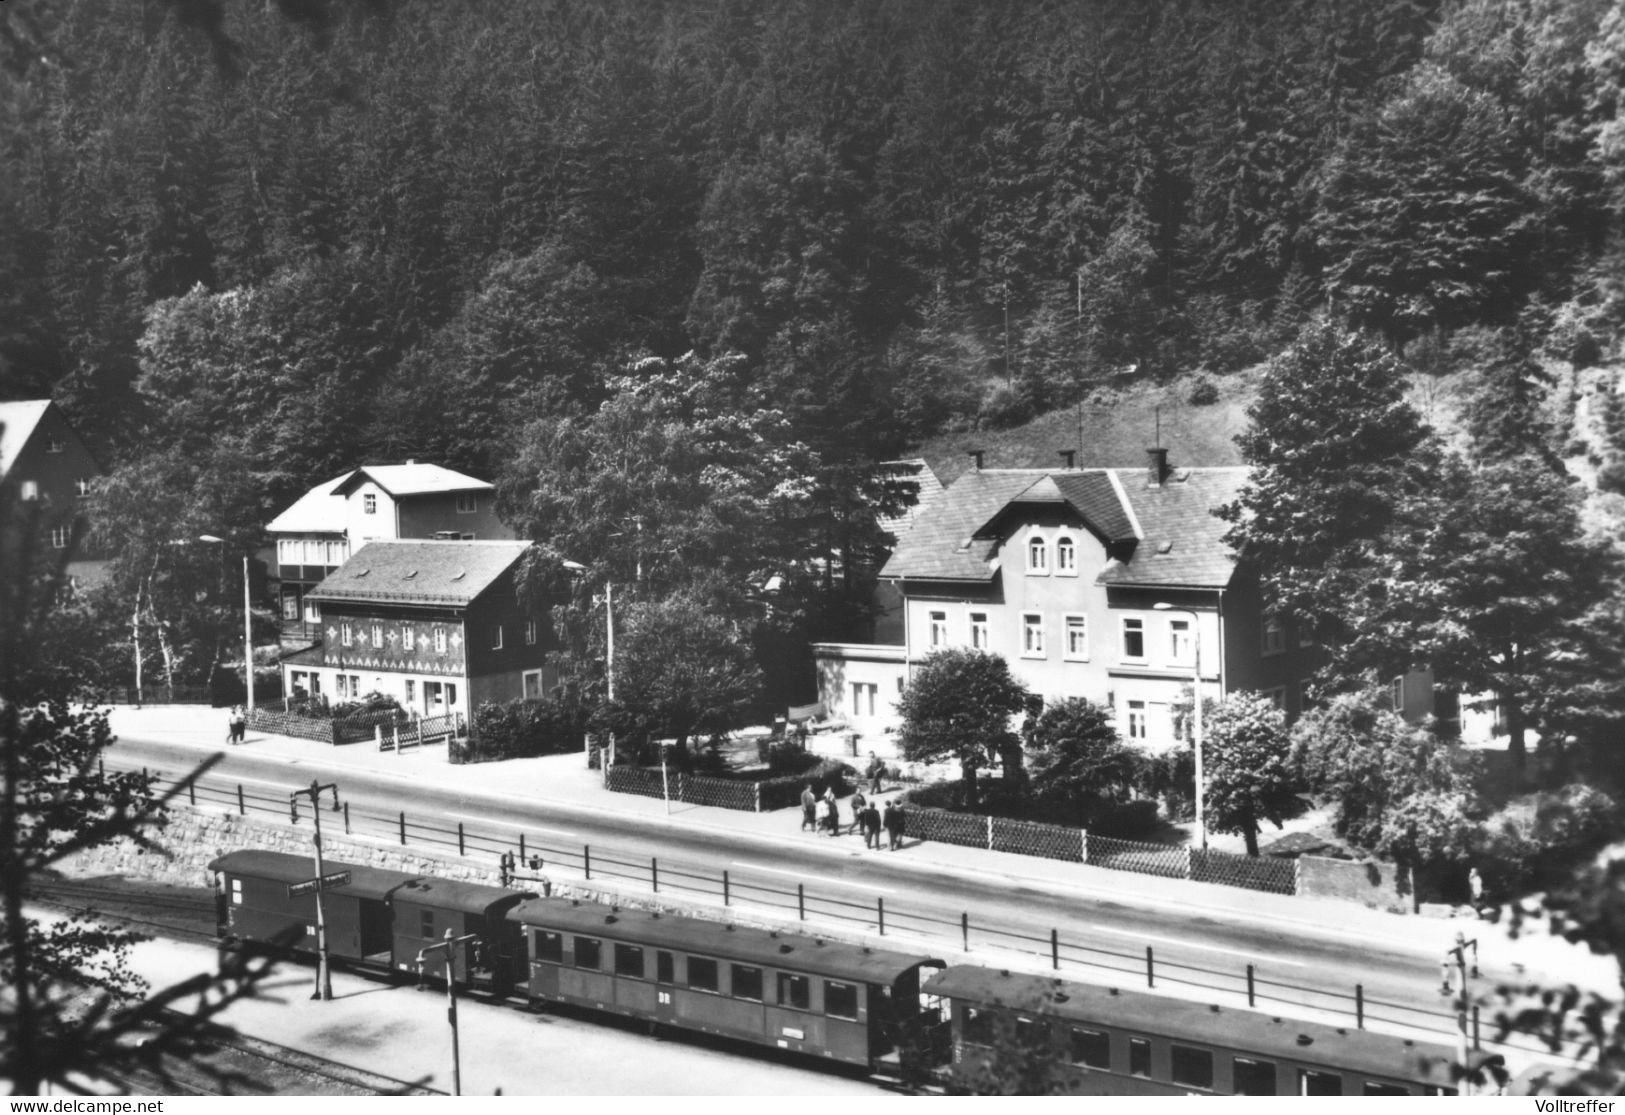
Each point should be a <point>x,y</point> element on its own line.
<point>714,549</point>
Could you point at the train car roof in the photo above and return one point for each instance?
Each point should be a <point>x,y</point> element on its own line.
<point>469,898</point>
<point>769,949</point>
<point>1251,1032</point>
<point>282,867</point>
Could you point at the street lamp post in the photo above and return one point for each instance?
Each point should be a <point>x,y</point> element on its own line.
<point>1455,965</point>
<point>248,623</point>
<point>1196,712</point>
<point>450,946</point>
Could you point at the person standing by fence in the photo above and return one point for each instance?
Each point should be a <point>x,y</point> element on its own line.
<point>875,770</point>
<point>871,826</point>
<point>809,809</point>
<point>858,802</point>
<point>894,824</point>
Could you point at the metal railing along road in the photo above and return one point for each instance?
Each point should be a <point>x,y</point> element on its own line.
<point>1065,954</point>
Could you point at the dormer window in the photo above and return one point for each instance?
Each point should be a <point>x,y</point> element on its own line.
<point>1037,555</point>
<point>1066,557</point>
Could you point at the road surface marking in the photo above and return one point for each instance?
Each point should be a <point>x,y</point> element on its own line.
<point>803,875</point>
<point>262,782</point>
<point>1140,936</point>
<point>508,824</point>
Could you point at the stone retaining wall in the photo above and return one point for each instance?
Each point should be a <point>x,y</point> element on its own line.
<point>1380,885</point>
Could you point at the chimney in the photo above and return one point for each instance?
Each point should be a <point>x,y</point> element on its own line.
<point>976,455</point>
<point>1070,456</point>
<point>411,461</point>
<point>1157,466</point>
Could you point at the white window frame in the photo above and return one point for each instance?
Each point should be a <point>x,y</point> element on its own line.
<point>1066,556</point>
<point>1037,548</point>
<point>525,684</point>
<point>1182,642</point>
<point>468,504</point>
<point>55,445</point>
<point>530,632</point>
<point>313,611</point>
<point>978,631</point>
<point>439,640</point>
<point>407,641</point>
<point>29,490</point>
<point>377,636</point>
<point>1138,627</point>
<point>497,643</point>
<point>1032,635</point>
<point>346,633</point>
<point>60,537</point>
<point>369,504</point>
<point>81,487</point>
<point>1139,719</point>
<point>1272,637</point>
<point>939,629</point>
<point>1075,622</point>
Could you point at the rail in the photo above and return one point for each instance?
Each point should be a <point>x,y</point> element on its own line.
<point>518,852</point>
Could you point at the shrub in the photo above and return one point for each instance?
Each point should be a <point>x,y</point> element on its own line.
<point>1204,393</point>
<point>1611,477</point>
<point>1129,820</point>
<point>1004,408</point>
<point>522,728</point>
<point>1535,840</point>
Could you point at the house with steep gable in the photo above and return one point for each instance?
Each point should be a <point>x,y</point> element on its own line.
<point>438,625</point>
<point>319,531</point>
<point>1102,583</point>
<point>51,469</point>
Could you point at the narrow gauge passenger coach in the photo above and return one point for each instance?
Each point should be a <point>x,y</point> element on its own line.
<point>380,919</point>
<point>846,1003</point>
<point>1130,1043</point>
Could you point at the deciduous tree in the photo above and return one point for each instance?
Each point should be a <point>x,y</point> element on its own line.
<point>1247,762</point>
<point>959,706</point>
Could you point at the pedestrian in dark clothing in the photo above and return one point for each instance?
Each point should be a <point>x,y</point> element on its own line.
<point>871,827</point>
<point>874,770</point>
<point>834,812</point>
<point>858,802</point>
<point>894,824</point>
<point>236,725</point>
<point>809,810</point>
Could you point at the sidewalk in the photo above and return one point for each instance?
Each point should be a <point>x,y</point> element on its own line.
<point>564,780</point>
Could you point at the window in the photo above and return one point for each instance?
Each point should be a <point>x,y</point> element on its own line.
<point>1253,1078</point>
<point>1136,720</point>
<point>1031,1035</point>
<point>1379,1088</point>
<point>369,504</point>
<point>794,991</point>
<point>426,923</point>
<point>496,640</point>
<point>550,947</point>
<point>290,604</point>
<point>589,953</point>
<point>530,632</point>
<point>1180,644</point>
<point>1066,557</point>
<point>840,1000</point>
<point>863,698</point>
<point>467,505</point>
<point>702,974</point>
<point>377,635</point>
<point>747,983</point>
<point>440,640</point>
<point>313,612</point>
<point>346,634</point>
<point>341,686</point>
<point>532,680</point>
<point>1134,638</point>
<point>1139,1057</point>
<point>407,641</point>
<point>1396,691</point>
<point>978,1026</point>
<point>1077,638</point>
<point>665,968</point>
<point>451,694</point>
<point>1312,1083</point>
<point>1091,1048</point>
<point>355,686</point>
<point>60,537</point>
<point>55,445</point>
<point>30,489</point>
<point>1277,696</point>
<point>236,892</point>
<point>1191,1067</point>
<point>411,692</point>
<point>287,551</point>
<point>1306,635</point>
<point>629,961</point>
<point>1037,555</point>
<point>1032,635</point>
<point>939,629</point>
<point>81,487</point>
<point>1274,636</point>
<point>978,630</point>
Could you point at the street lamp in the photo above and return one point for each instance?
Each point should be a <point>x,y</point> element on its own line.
<point>1455,965</point>
<point>609,655</point>
<point>248,622</point>
<point>449,945</point>
<point>1196,709</point>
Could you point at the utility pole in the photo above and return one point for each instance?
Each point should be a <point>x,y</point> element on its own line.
<point>324,976</point>
<point>1453,968</point>
<point>450,946</point>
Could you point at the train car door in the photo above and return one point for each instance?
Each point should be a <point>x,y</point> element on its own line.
<point>665,986</point>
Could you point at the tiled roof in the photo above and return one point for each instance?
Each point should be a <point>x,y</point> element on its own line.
<point>318,511</point>
<point>413,479</point>
<point>1171,532</point>
<point>19,419</point>
<point>419,572</point>
<point>930,489</point>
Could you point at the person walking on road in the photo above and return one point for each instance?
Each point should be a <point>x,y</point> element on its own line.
<point>1475,883</point>
<point>894,824</point>
<point>874,770</point>
<point>236,724</point>
<point>858,803</point>
<point>809,809</point>
<point>871,827</point>
<point>834,812</point>
<point>824,814</point>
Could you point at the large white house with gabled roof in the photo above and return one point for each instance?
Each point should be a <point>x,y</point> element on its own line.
<point>1096,583</point>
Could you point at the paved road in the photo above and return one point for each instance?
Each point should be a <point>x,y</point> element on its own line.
<point>1297,965</point>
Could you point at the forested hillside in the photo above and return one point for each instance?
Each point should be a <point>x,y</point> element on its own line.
<point>693,267</point>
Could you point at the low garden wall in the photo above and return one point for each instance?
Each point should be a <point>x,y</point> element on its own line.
<point>1384,886</point>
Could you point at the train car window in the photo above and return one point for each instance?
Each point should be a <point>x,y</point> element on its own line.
<point>1191,1067</point>
<point>1381,1088</point>
<point>702,973</point>
<point>1312,1083</point>
<point>589,953</point>
<point>665,968</point>
<point>795,991</point>
<point>840,1000</point>
<point>1091,1048</point>
<point>236,892</point>
<point>1438,1090</point>
<point>747,983</point>
<point>1253,1078</point>
<point>426,924</point>
<point>550,947</point>
<point>1139,1057</point>
<point>629,961</point>
<point>1031,1034</point>
<point>978,1026</point>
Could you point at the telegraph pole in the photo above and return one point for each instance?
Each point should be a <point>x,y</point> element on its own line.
<point>324,976</point>
<point>450,946</point>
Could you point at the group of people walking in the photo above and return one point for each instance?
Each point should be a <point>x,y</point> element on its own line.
<point>823,814</point>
